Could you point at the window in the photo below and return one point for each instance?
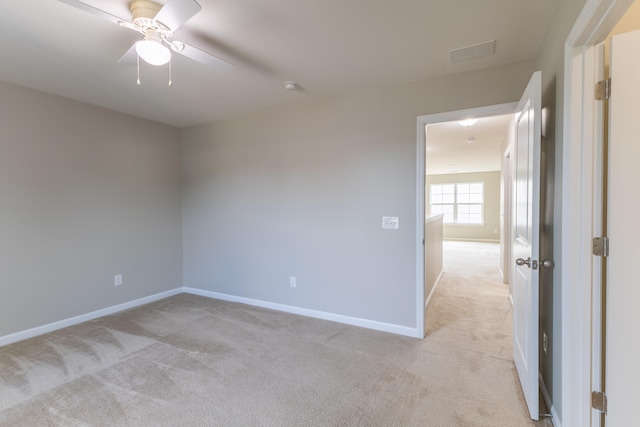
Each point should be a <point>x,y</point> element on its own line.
<point>461,203</point>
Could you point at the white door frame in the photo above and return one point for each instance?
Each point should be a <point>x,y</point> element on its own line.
<point>595,22</point>
<point>449,116</point>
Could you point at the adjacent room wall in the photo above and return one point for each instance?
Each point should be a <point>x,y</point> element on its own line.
<point>85,194</point>
<point>301,191</point>
<point>490,230</point>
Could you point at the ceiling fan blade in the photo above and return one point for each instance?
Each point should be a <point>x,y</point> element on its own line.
<point>177,12</point>
<point>94,10</point>
<point>130,57</point>
<point>205,58</point>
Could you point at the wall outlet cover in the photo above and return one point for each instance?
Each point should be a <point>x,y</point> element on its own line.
<point>390,222</point>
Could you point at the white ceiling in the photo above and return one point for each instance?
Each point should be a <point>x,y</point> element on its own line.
<point>328,46</point>
<point>448,151</point>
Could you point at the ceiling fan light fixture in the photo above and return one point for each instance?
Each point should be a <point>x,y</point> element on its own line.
<point>153,51</point>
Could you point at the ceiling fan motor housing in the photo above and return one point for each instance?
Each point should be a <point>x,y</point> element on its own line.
<point>143,13</point>
<point>144,9</point>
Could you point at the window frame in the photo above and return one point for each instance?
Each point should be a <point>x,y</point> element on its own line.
<point>448,198</point>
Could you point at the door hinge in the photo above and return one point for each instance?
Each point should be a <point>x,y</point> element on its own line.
<point>603,89</point>
<point>601,246</point>
<point>599,401</point>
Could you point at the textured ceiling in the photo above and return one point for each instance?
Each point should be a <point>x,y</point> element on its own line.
<point>329,47</point>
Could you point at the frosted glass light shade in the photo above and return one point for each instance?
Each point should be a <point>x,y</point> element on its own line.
<point>153,52</point>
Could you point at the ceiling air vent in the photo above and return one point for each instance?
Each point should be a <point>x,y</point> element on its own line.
<point>472,52</point>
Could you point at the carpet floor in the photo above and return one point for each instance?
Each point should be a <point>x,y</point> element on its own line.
<point>194,361</point>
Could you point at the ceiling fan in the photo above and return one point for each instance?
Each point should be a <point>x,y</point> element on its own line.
<point>157,24</point>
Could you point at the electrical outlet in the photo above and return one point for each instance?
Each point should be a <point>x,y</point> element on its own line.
<point>117,280</point>
<point>292,281</point>
<point>544,342</point>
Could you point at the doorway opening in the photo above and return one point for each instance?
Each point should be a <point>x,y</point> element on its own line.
<point>467,184</point>
<point>433,167</point>
<point>525,214</point>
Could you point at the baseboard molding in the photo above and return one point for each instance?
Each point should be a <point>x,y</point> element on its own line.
<point>40,330</point>
<point>364,323</point>
<point>429,300</point>
<point>462,239</point>
<point>555,419</point>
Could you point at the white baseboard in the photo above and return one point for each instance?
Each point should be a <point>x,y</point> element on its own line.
<point>547,399</point>
<point>465,239</point>
<point>429,300</point>
<point>364,323</point>
<point>40,330</point>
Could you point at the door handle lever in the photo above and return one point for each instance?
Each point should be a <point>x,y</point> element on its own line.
<point>521,261</point>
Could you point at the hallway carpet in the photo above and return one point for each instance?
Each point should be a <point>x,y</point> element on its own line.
<point>193,361</point>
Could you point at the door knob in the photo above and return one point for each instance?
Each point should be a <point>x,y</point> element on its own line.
<point>547,263</point>
<point>521,261</point>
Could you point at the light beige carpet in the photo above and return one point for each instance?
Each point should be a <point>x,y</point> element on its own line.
<point>194,361</point>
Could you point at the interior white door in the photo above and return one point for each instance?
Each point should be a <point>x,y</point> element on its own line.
<point>525,239</point>
<point>623,291</point>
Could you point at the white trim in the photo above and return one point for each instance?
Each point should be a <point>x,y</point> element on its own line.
<point>420,226</point>
<point>595,22</point>
<point>421,136</point>
<point>40,330</point>
<point>364,323</point>
<point>547,400</point>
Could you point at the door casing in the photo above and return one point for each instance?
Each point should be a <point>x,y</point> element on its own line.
<point>596,20</point>
<point>423,121</point>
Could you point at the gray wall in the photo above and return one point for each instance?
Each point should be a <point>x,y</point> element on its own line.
<point>490,230</point>
<point>300,191</point>
<point>85,193</point>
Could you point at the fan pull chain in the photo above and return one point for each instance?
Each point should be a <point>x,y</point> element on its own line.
<point>138,62</point>
<point>170,82</point>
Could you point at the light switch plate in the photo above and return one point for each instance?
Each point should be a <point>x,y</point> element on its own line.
<point>390,222</point>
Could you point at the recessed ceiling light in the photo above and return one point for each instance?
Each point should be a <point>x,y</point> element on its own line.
<point>471,140</point>
<point>467,122</point>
